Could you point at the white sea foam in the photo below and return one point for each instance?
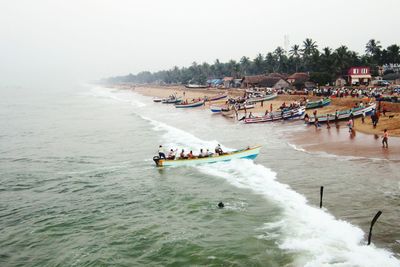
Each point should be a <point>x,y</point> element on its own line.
<point>316,235</point>
<point>119,96</point>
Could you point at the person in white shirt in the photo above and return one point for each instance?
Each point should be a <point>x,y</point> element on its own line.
<point>171,154</point>
<point>218,149</point>
<point>161,152</point>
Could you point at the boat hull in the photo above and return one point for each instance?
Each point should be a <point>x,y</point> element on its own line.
<point>260,99</point>
<point>218,97</point>
<point>344,115</point>
<point>287,115</point>
<point>250,153</point>
<point>191,105</point>
<point>171,101</point>
<point>318,104</point>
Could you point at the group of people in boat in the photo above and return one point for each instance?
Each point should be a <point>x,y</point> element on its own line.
<point>204,153</point>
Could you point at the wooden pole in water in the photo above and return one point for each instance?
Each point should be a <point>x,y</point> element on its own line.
<point>372,225</point>
<point>321,192</point>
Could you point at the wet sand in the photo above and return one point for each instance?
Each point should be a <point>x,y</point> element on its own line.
<point>339,141</point>
<point>365,141</point>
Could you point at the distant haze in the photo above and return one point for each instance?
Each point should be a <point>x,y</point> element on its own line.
<point>90,39</point>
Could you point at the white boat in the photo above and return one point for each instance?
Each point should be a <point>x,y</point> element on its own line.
<point>277,116</point>
<point>261,98</point>
<point>247,153</point>
<point>344,115</point>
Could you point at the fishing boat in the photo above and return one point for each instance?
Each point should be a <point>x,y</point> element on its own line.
<point>172,100</point>
<point>261,98</point>
<point>245,106</point>
<point>277,116</point>
<point>247,153</point>
<point>229,111</point>
<point>318,104</point>
<point>220,108</point>
<point>217,108</point>
<point>217,97</point>
<point>345,114</point>
<point>196,86</point>
<point>190,105</point>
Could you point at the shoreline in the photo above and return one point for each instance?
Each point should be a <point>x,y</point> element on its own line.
<point>364,142</point>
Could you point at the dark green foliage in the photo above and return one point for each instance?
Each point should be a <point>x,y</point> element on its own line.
<point>324,66</point>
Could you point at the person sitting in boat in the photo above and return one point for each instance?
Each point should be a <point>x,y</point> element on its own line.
<point>208,153</point>
<point>182,155</point>
<point>251,115</point>
<point>202,154</point>
<point>161,152</point>
<point>218,150</point>
<point>190,155</point>
<point>171,154</point>
<point>266,113</point>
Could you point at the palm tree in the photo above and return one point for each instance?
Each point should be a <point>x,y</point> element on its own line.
<point>244,65</point>
<point>342,59</point>
<point>309,46</point>
<point>393,54</point>
<point>372,47</point>
<point>279,54</point>
<point>294,53</point>
<point>259,64</point>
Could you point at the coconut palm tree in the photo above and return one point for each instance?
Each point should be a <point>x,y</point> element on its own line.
<point>259,64</point>
<point>393,54</point>
<point>309,46</point>
<point>294,53</point>
<point>372,47</point>
<point>244,65</point>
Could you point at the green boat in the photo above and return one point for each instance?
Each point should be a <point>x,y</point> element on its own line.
<point>318,104</point>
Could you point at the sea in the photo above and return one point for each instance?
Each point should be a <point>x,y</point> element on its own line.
<point>78,187</point>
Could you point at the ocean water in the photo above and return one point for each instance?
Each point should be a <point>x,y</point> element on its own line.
<point>78,188</point>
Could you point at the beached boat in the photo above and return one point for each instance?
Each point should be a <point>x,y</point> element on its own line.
<point>262,98</point>
<point>230,111</point>
<point>217,108</point>
<point>190,105</point>
<point>318,104</point>
<point>247,153</point>
<point>157,100</point>
<point>171,100</point>
<point>245,106</point>
<point>345,114</point>
<point>196,86</point>
<point>217,97</point>
<point>220,108</point>
<point>277,116</point>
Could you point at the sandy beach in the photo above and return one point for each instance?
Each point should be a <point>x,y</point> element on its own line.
<point>365,140</point>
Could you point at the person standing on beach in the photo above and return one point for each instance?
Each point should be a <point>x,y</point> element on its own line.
<point>270,108</point>
<point>385,138</point>
<point>363,117</point>
<point>315,113</point>
<point>316,123</point>
<point>350,124</point>
<point>327,121</point>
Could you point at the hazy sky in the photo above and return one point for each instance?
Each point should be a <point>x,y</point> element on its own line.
<point>90,39</point>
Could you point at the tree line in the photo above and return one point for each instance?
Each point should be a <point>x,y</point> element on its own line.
<point>324,65</point>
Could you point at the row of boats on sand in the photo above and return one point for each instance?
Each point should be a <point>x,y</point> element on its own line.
<point>295,112</point>
<point>180,103</point>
